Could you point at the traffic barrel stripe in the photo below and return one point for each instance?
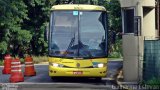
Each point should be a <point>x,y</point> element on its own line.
<point>29,65</point>
<point>7,57</point>
<point>15,62</point>
<point>28,62</point>
<point>15,66</point>
<point>16,70</point>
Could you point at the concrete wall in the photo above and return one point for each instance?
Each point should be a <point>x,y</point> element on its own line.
<point>148,21</point>
<point>133,3</point>
<point>147,3</point>
<point>130,62</point>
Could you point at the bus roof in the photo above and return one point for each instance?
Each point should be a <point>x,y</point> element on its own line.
<point>78,7</point>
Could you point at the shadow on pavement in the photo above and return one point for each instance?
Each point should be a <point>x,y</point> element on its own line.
<point>92,81</point>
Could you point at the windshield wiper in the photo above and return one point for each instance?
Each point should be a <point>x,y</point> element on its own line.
<point>70,45</point>
<point>89,53</point>
<point>84,49</point>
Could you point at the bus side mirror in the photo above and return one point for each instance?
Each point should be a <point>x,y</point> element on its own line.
<point>46,33</point>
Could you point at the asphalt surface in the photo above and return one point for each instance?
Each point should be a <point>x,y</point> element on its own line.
<point>42,81</point>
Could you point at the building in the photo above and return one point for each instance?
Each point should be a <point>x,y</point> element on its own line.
<point>140,22</point>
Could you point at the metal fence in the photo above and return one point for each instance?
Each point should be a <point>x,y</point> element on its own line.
<point>151,66</point>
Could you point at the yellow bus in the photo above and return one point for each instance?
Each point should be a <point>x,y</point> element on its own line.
<point>78,41</point>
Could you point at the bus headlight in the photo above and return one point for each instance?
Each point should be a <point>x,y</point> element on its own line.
<point>56,65</point>
<point>100,65</point>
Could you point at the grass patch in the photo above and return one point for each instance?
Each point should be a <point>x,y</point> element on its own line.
<point>22,60</point>
<point>151,84</point>
<point>153,81</point>
<point>115,50</point>
<point>1,62</point>
<point>39,59</point>
<point>36,60</point>
<point>115,59</point>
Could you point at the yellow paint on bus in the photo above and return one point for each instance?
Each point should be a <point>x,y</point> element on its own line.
<point>78,7</point>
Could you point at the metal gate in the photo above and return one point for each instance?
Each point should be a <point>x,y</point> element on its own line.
<point>151,65</point>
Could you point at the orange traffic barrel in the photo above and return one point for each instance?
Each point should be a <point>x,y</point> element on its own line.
<point>16,71</point>
<point>7,64</point>
<point>29,66</point>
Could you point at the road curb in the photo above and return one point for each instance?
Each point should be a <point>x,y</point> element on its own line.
<point>115,60</point>
<point>58,85</point>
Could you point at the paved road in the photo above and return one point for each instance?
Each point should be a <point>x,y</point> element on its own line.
<point>42,80</point>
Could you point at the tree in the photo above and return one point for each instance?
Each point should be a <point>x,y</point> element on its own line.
<point>115,27</point>
<point>114,11</point>
<point>38,14</point>
<point>12,14</point>
<point>19,42</point>
<point>23,22</point>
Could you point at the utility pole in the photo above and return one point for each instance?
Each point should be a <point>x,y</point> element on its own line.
<point>158,16</point>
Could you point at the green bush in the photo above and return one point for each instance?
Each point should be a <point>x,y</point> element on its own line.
<point>3,47</point>
<point>116,49</point>
<point>153,81</point>
<point>22,60</point>
<point>38,59</point>
<point>1,62</point>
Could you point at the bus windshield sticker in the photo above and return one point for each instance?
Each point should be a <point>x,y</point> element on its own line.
<point>75,13</point>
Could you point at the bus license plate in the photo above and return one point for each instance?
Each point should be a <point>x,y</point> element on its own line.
<point>77,72</point>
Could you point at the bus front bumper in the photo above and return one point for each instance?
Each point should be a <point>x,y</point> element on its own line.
<point>77,72</point>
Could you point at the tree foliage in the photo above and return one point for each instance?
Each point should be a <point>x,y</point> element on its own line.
<point>12,14</point>
<point>23,22</point>
<point>114,11</point>
<point>38,14</point>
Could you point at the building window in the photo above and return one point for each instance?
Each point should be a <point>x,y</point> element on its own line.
<point>128,18</point>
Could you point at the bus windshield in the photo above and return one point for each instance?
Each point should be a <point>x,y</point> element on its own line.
<point>78,34</point>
